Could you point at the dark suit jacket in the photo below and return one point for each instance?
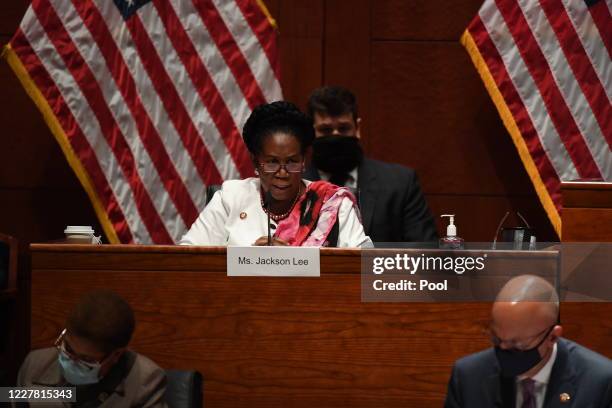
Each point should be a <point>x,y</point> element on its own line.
<point>583,374</point>
<point>393,208</point>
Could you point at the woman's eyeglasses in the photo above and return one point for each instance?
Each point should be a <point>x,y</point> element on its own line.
<point>273,167</point>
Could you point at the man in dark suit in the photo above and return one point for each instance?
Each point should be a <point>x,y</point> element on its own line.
<point>392,205</point>
<point>530,365</point>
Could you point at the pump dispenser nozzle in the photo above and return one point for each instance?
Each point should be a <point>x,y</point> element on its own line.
<point>451,229</point>
<point>451,240</point>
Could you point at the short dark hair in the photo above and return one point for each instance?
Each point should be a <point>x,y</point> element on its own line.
<point>103,318</point>
<point>280,116</point>
<point>333,101</point>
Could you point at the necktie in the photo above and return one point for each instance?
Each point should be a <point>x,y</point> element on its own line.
<point>528,387</point>
<point>339,179</point>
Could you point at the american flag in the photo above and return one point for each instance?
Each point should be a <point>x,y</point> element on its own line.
<point>147,99</point>
<point>547,66</point>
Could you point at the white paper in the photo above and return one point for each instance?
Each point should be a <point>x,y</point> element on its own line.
<point>273,261</point>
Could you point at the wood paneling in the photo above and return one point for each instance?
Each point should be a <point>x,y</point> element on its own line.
<point>587,212</point>
<point>577,319</point>
<point>301,43</point>
<point>347,53</point>
<point>30,156</point>
<point>429,104</point>
<point>278,342</point>
<point>587,225</point>
<point>586,194</point>
<point>422,20</point>
<point>11,13</point>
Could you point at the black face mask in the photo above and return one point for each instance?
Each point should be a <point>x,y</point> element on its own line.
<point>516,362</point>
<point>336,154</point>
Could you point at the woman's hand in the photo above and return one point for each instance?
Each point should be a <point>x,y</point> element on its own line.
<point>263,241</point>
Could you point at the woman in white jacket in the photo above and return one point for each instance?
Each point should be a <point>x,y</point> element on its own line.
<point>301,213</point>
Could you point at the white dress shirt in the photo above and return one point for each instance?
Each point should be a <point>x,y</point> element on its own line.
<point>351,182</point>
<point>541,382</point>
<point>234,216</point>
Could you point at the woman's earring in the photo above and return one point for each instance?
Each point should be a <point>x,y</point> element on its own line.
<point>256,172</point>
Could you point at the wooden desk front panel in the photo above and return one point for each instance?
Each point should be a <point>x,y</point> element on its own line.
<point>275,342</point>
<point>587,211</point>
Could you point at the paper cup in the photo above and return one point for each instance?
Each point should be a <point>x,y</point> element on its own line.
<point>79,234</point>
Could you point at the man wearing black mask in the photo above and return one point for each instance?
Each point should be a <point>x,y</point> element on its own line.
<point>530,365</point>
<point>392,205</point>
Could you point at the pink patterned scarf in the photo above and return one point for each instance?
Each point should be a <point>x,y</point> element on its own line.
<point>314,215</point>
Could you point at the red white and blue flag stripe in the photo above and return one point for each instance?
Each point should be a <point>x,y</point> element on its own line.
<point>547,66</point>
<point>147,99</point>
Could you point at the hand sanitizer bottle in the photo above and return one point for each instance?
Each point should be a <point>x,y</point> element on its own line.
<point>451,240</point>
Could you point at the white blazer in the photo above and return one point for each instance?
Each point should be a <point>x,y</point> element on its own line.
<point>234,216</point>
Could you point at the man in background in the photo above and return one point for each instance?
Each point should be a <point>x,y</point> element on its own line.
<point>530,365</point>
<point>392,205</point>
<point>91,354</point>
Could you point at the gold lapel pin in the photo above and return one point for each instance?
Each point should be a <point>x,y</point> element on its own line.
<point>565,397</point>
<point>243,215</point>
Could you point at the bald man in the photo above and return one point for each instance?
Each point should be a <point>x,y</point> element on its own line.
<point>530,365</point>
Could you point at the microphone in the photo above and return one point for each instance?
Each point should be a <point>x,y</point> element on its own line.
<point>267,203</point>
<point>499,227</point>
<point>518,236</point>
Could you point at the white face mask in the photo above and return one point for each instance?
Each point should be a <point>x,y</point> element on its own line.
<point>78,372</point>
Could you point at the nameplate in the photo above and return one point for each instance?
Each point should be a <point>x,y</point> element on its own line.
<point>273,261</point>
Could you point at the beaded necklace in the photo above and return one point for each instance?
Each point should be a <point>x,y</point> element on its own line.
<point>278,217</point>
